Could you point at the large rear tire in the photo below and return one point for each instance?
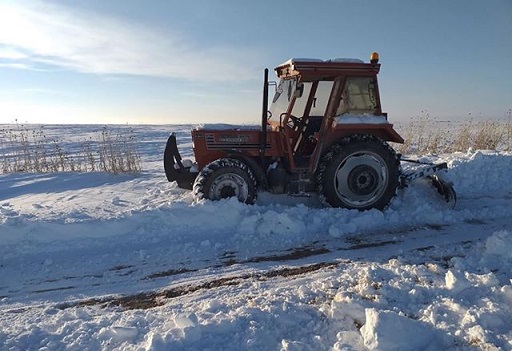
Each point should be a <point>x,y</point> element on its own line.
<point>361,172</point>
<point>225,178</point>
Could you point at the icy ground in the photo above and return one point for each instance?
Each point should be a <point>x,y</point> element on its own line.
<point>97,261</point>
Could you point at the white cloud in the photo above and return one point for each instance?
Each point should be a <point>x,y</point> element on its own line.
<point>15,66</point>
<point>10,53</point>
<point>43,34</point>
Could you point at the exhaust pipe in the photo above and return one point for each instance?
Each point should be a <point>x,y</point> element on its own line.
<point>263,143</point>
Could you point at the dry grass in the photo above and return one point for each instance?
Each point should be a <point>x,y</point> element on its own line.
<point>115,151</point>
<point>29,150</point>
<point>426,135</point>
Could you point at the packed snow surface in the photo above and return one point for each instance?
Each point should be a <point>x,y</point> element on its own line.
<point>94,261</point>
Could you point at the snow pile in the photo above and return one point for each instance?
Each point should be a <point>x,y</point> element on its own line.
<point>482,173</point>
<point>386,330</point>
<point>427,307</point>
<point>131,262</point>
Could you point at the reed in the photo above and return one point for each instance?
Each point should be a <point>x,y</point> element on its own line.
<point>426,135</point>
<point>28,149</point>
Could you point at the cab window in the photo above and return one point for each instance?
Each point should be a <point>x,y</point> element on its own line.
<point>358,97</point>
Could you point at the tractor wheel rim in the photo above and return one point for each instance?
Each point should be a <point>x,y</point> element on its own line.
<point>229,185</point>
<point>361,179</point>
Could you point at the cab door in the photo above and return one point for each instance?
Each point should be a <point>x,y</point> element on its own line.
<point>304,120</point>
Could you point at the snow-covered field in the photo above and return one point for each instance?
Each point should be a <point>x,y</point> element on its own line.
<point>92,261</point>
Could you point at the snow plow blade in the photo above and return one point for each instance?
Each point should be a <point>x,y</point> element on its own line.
<point>174,168</point>
<point>444,188</point>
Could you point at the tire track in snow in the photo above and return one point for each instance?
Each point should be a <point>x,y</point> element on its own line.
<point>416,246</point>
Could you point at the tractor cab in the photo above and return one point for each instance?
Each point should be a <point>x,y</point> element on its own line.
<point>293,93</point>
<point>322,101</point>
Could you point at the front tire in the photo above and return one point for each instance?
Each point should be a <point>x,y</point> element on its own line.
<point>361,172</point>
<point>225,178</point>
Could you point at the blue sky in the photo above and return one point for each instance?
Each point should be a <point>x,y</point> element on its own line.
<point>170,61</point>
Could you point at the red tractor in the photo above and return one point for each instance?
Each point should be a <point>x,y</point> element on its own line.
<point>325,132</point>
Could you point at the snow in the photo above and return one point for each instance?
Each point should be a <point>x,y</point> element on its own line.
<point>360,119</point>
<point>222,126</point>
<point>346,60</point>
<point>292,61</point>
<point>93,261</point>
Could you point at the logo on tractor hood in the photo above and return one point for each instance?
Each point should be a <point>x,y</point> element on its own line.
<point>234,138</point>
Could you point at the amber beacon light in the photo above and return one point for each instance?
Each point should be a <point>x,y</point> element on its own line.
<point>374,57</point>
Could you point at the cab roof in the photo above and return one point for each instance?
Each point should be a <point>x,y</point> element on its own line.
<point>315,69</point>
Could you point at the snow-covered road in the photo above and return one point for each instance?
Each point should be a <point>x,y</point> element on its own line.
<point>99,261</point>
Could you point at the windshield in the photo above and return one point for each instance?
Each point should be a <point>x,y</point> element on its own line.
<point>281,98</point>
<point>284,94</point>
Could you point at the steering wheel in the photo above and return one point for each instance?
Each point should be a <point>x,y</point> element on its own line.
<point>293,122</point>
